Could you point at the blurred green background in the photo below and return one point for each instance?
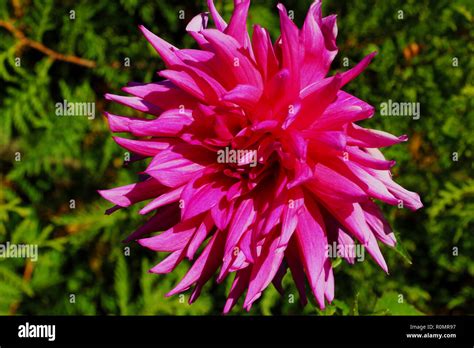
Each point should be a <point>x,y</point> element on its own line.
<point>426,57</point>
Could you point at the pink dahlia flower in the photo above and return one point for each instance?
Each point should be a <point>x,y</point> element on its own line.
<point>256,156</point>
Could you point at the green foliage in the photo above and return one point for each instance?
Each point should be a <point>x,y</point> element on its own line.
<point>392,303</point>
<point>46,161</point>
<point>122,285</point>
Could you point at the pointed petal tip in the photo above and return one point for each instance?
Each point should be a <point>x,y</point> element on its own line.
<point>171,293</point>
<point>383,265</point>
<point>370,57</point>
<point>249,301</point>
<point>281,7</point>
<point>143,29</point>
<point>229,304</point>
<point>112,210</point>
<point>126,89</point>
<point>143,242</point>
<point>329,297</point>
<point>418,206</point>
<point>416,202</point>
<point>322,305</point>
<point>220,278</point>
<point>106,194</point>
<point>391,241</point>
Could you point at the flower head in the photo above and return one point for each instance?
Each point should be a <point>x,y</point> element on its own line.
<point>256,156</point>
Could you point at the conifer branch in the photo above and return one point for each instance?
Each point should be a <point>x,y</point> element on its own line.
<point>24,41</point>
<point>17,8</point>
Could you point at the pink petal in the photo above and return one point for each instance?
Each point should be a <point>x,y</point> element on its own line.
<point>315,99</point>
<point>219,22</point>
<point>238,23</point>
<point>170,123</point>
<point>164,199</point>
<point>379,225</point>
<point>293,258</point>
<point>410,199</point>
<point>237,289</point>
<point>332,139</point>
<point>371,184</point>
<point>243,95</point>
<point>278,278</point>
<point>317,57</point>
<point>263,270</point>
<point>195,82</point>
<point>264,54</point>
<point>204,266</point>
<point>169,263</point>
<point>329,281</point>
<point>235,67</point>
<point>329,29</point>
<point>164,49</point>
<point>358,136</point>
<point>164,94</point>
<point>175,238</point>
<point>351,216</point>
<point>125,196</point>
<point>351,74</point>
<point>348,244</point>
<point>332,184</point>
<point>243,217</point>
<point>311,243</point>
<point>199,236</point>
<point>290,47</point>
<point>374,251</point>
<point>290,217</point>
<point>135,103</point>
<point>346,108</point>
<point>165,218</point>
<point>198,199</point>
<point>179,164</point>
<point>366,160</point>
<point>142,147</point>
<point>222,213</point>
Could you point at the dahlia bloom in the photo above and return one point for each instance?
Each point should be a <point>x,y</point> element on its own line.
<point>256,157</point>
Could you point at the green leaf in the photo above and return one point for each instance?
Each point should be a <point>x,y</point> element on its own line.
<point>14,280</point>
<point>392,303</point>
<point>122,285</point>
<point>400,249</point>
